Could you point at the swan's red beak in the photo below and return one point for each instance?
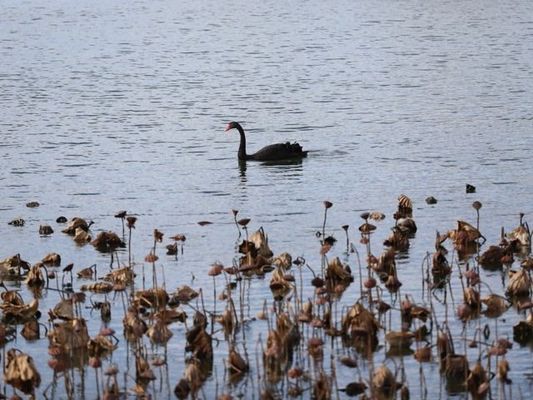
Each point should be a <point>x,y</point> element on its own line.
<point>228,127</point>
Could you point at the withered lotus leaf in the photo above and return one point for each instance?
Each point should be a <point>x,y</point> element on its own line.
<point>99,346</point>
<point>260,239</point>
<point>322,387</point>
<point>87,273</point>
<point>236,363</point>
<point>402,339</point>
<point>19,313</point>
<point>14,262</point>
<point>283,260</point>
<point>169,316</point>
<point>20,372</point>
<point>81,236</point>
<point>35,277</point>
<point>106,242</point>
<point>121,276</point>
<point>159,332</point>
<point>69,335</point>
<point>75,223</point>
<point>521,234</point>
<point>154,298</point>
<point>383,383</point>
<point>185,293</point>
<point>496,305</point>
<point>134,326</point>
<point>52,259</point>
<point>63,310</point>
<point>31,330</point>
<point>98,287</point>
<point>199,342</point>
<point>520,283</point>
<point>45,230</point>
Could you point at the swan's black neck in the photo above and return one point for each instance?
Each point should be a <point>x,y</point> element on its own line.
<point>242,147</point>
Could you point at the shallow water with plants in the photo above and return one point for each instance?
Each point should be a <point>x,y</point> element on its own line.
<point>111,107</point>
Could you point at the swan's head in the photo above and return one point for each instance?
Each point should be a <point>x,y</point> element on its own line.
<point>231,125</point>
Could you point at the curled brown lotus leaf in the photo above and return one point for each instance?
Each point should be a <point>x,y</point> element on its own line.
<point>185,293</point>
<point>159,332</point>
<point>20,313</point>
<point>100,346</point>
<point>383,383</point>
<point>260,240</point>
<point>503,370</point>
<point>52,259</point>
<point>87,273</point>
<point>11,297</point>
<point>306,312</point>
<point>423,354</point>
<point>360,323</point>
<point>169,316</point>
<point>12,265</point>
<point>402,339</point>
<point>199,342</point>
<point>471,297</point>
<point>106,242</point>
<point>69,335</point>
<point>398,239</point>
<point>405,206</point>
<point>496,305</point>
<point>134,326</point>
<point>20,372</point>
<point>98,287</point>
<point>194,376</point>
<point>121,276</point>
<point>288,331</point>
<point>45,230</point>
<point>279,286</point>
<point>520,283</point>
<point>31,330</point>
<point>492,257</point>
<point>274,357</point>
<point>236,363</point>
<point>81,236</point>
<point>464,234</point>
<point>76,223</point>
<point>386,263</point>
<point>337,272</point>
<point>35,277</point>
<point>227,320</point>
<point>283,260</point>
<point>63,310</point>
<point>322,387</point>
<point>520,234</point>
<point>156,298</point>
<point>476,378</point>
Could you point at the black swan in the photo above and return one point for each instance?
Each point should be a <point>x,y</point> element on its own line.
<point>274,152</point>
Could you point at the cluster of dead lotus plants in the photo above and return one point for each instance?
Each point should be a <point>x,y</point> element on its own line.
<point>315,323</point>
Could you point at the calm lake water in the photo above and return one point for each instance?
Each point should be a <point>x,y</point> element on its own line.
<point>113,105</point>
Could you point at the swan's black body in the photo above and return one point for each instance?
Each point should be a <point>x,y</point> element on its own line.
<point>273,152</point>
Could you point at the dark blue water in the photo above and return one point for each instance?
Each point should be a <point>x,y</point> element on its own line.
<point>111,105</point>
